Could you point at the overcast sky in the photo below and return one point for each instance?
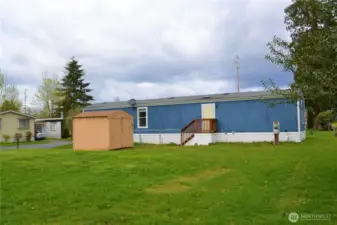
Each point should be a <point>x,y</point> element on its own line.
<point>142,48</point>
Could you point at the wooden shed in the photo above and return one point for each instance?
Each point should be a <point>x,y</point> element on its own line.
<point>102,130</point>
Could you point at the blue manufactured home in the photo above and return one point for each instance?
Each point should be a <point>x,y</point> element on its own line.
<point>205,119</point>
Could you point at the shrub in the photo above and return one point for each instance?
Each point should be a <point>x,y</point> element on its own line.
<point>334,127</point>
<point>65,133</point>
<point>17,136</point>
<point>172,144</point>
<point>29,136</point>
<point>324,119</point>
<point>6,137</point>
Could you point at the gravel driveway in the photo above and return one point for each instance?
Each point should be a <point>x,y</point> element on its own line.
<point>51,144</point>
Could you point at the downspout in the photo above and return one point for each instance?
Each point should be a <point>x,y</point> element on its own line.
<point>299,121</point>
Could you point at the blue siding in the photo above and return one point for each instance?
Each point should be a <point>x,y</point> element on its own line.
<point>237,116</point>
<point>166,119</point>
<point>172,118</point>
<point>255,116</point>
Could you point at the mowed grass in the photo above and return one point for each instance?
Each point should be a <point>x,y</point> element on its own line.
<point>219,184</point>
<point>67,146</point>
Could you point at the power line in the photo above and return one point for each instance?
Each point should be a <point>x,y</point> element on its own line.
<point>237,73</point>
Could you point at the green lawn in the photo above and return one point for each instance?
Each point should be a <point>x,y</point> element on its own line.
<point>220,184</point>
<point>67,146</point>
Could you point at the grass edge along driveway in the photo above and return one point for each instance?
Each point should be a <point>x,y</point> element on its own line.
<point>25,143</point>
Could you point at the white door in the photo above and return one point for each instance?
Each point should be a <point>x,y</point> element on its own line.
<point>207,112</point>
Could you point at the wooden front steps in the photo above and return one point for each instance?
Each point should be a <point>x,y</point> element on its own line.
<point>197,126</point>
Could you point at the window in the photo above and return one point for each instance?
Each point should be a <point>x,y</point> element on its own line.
<point>23,123</point>
<point>53,126</point>
<point>142,117</point>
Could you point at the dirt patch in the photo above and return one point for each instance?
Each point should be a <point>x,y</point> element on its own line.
<point>292,201</point>
<point>168,187</point>
<point>129,166</point>
<point>184,183</point>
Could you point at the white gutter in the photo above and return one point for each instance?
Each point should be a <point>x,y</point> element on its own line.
<point>299,121</point>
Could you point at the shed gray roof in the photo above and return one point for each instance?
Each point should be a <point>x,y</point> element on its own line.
<point>186,100</point>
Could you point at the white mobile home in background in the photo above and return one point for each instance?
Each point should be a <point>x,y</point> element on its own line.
<point>50,127</point>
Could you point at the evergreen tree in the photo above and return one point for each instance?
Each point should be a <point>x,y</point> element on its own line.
<point>74,92</point>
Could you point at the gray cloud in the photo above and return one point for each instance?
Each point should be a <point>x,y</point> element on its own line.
<point>175,46</point>
<point>19,60</point>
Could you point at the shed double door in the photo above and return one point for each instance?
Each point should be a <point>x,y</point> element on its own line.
<point>121,133</point>
<point>207,112</point>
<point>126,132</point>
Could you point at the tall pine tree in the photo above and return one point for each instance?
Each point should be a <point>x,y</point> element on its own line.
<point>74,92</point>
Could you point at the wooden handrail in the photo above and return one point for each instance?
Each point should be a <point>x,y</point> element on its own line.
<point>197,126</point>
<point>187,126</point>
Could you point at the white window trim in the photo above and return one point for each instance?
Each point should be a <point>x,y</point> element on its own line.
<point>147,118</point>
<point>23,128</point>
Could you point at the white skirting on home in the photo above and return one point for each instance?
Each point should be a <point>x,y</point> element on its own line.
<point>157,138</point>
<point>256,137</point>
<point>202,139</point>
<point>207,138</point>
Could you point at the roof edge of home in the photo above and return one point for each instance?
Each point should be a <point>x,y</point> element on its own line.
<point>241,96</point>
<point>48,119</point>
<point>18,113</point>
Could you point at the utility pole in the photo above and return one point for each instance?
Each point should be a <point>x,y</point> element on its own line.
<point>25,101</point>
<point>50,107</point>
<point>237,73</point>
